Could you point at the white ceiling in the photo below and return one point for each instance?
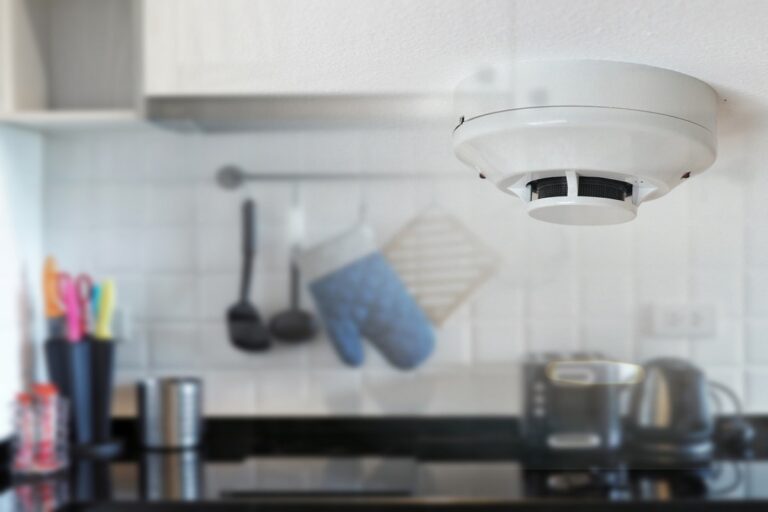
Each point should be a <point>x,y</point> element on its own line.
<point>432,43</point>
<point>416,46</point>
<point>723,42</point>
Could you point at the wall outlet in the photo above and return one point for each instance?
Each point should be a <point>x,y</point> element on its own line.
<point>684,320</point>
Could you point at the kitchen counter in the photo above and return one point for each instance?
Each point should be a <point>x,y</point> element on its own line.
<point>378,464</point>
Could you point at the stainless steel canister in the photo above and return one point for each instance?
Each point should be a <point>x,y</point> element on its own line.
<point>171,475</point>
<point>170,412</point>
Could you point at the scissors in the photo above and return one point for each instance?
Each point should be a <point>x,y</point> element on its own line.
<point>84,289</point>
<point>76,295</point>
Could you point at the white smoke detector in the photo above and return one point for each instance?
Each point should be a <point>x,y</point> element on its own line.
<point>585,142</point>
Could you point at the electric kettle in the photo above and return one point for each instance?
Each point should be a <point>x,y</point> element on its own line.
<point>670,418</point>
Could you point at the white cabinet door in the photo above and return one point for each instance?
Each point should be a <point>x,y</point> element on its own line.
<point>205,46</point>
<point>319,46</point>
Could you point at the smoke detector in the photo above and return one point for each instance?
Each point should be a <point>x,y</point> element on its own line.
<point>585,142</point>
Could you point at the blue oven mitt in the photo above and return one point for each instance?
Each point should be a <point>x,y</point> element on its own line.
<point>358,294</point>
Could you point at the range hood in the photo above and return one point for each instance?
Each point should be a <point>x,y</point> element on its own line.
<point>258,112</point>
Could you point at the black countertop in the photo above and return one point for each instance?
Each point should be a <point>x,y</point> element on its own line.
<point>378,464</point>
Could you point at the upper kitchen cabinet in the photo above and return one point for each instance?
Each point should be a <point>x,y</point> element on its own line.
<point>69,63</point>
<point>304,47</point>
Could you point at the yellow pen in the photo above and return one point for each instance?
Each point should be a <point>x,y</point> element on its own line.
<point>106,311</point>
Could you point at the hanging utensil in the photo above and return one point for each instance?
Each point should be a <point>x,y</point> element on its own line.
<point>246,330</point>
<point>293,324</point>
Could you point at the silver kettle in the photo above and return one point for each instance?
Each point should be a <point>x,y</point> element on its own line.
<point>670,419</point>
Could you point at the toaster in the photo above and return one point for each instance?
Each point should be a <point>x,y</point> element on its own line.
<point>566,413</point>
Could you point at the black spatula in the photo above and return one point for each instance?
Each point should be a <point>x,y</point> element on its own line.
<point>246,330</point>
<point>294,324</point>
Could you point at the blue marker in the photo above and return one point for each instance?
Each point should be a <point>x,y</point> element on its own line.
<point>95,301</point>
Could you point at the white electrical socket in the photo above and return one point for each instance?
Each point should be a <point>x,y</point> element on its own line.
<point>684,320</point>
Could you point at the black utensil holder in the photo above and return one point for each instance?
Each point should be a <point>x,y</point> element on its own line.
<point>84,374</point>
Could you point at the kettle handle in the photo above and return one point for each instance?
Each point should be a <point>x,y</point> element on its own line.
<point>735,433</point>
<point>718,387</point>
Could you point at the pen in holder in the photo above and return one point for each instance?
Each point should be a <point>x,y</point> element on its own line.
<point>83,371</point>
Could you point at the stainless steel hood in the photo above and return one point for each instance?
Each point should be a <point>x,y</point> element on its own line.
<point>246,113</point>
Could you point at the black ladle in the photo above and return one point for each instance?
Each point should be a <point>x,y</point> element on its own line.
<point>293,324</point>
<point>246,330</point>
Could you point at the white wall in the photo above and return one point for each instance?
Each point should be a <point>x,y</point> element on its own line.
<point>20,260</point>
<point>142,206</point>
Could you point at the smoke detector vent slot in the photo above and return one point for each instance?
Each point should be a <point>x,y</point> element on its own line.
<point>549,187</point>
<point>589,186</point>
<point>604,187</point>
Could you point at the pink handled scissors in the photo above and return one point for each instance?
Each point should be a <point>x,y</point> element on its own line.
<point>76,295</point>
<point>84,290</point>
<point>69,296</point>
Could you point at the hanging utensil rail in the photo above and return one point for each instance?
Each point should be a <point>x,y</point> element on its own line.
<point>232,177</point>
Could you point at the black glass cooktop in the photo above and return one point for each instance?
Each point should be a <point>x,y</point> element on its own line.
<point>186,477</point>
<point>351,465</point>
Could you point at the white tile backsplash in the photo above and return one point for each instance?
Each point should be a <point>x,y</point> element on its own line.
<point>725,348</point>
<point>552,295</point>
<point>552,334</point>
<point>216,293</point>
<point>131,351</point>
<point>757,245</point>
<point>728,376</point>
<point>338,392</point>
<point>172,205</point>
<point>498,341</point>
<point>216,349</point>
<point>757,292</point>
<point>123,205</point>
<point>116,249</point>
<point>652,347</point>
<point>234,393</point>
<point>757,341</point>
<point>333,151</point>
<point>454,341</point>
<point>660,283</point>
<point>716,245</point>
<point>71,252</point>
<point>169,249</point>
<point>755,397</point>
<point>218,249</point>
<point>497,391</point>
<point>70,161</point>
<point>601,247</point>
<point>606,293</point>
<point>499,300</point>
<point>175,345</point>
<point>171,239</point>
<point>609,334</point>
<point>450,392</point>
<point>721,286</point>
<point>172,297</point>
<point>68,206</point>
<point>287,392</point>
<point>408,393</point>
